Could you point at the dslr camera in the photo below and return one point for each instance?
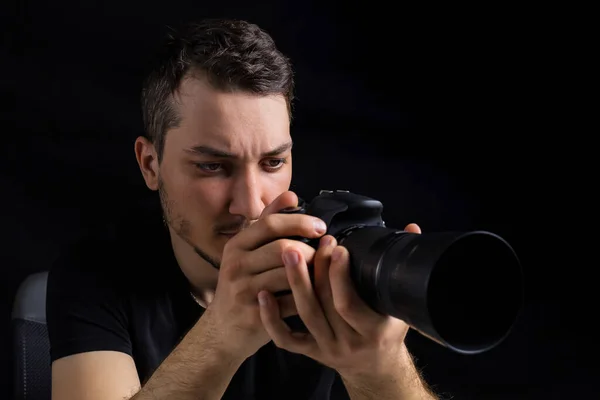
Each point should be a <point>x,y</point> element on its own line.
<point>463,290</point>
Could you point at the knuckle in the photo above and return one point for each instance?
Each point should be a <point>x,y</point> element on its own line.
<point>336,352</point>
<point>283,245</point>
<point>231,269</point>
<point>270,223</point>
<point>352,346</point>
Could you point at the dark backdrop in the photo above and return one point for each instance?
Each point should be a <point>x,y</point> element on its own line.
<point>435,113</point>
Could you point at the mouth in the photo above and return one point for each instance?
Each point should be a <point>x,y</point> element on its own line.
<point>229,234</point>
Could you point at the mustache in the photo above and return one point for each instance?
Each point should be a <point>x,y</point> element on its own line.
<point>232,226</point>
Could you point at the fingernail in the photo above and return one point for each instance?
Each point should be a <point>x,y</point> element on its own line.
<point>320,226</point>
<point>326,241</point>
<point>290,258</point>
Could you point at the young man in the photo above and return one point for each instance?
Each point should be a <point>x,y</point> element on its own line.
<point>182,306</point>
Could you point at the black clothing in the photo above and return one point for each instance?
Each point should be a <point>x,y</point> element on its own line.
<point>123,291</point>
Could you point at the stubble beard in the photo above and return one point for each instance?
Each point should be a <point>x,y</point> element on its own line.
<point>181,226</point>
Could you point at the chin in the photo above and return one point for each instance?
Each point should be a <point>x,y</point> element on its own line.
<point>219,242</point>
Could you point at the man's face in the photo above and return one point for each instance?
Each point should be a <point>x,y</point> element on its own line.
<point>228,159</point>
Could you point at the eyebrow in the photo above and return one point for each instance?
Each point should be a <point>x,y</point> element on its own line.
<point>211,151</point>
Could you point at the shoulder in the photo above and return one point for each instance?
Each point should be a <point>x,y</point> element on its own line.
<point>113,254</point>
<point>94,284</point>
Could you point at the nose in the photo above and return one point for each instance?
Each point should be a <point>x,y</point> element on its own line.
<point>247,195</point>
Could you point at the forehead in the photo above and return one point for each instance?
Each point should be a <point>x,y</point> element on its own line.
<point>233,121</point>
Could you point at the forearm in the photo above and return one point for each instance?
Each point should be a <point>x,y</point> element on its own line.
<point>404,382</point>
<point>198,368</point>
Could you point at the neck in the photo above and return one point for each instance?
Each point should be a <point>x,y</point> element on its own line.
<point>201,275</point>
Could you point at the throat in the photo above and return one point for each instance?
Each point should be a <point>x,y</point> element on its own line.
<point>199,269</point>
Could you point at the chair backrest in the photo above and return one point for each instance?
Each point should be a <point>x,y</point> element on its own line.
<point>31,346</point>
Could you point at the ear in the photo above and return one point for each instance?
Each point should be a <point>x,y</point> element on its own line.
<point>147,159</point>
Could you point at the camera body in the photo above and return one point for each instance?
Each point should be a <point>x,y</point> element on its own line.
<point>342,211</point>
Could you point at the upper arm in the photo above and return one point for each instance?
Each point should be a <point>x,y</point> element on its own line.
<point>96,375</point>
<point>88,328</point>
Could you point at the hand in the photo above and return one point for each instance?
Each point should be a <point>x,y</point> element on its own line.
<point>345,333</point>
<point>252,261</point>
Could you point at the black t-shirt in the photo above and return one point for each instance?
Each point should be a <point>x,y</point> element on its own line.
<point>122,290</point>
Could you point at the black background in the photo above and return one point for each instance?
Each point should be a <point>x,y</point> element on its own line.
<point>446,116</point>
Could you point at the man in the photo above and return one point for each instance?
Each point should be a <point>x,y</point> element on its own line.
<point>186,309</point>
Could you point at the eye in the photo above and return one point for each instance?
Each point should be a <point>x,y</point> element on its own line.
<point>209,167</point>
<point>275,163</point>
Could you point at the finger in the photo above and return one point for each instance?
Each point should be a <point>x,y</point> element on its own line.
<point>274,280</point>
<point>269,256</point>
<point>345,298</point>
<point>413,228</point>
<point>286,199</point>
<point>280,333</point>
<point>276,226</point>
<point>323,287</point>
<point>308,306</point>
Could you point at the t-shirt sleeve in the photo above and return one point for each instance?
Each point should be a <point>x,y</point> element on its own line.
<point>85,304</point>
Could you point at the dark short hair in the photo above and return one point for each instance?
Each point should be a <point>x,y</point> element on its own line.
<point>233,55</point>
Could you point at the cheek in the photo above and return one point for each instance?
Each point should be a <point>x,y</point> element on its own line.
<point>206,196</point>
<point>194,198</point>
<point>285,178</point>
<point>194,190</point>
<point>277,184</point>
